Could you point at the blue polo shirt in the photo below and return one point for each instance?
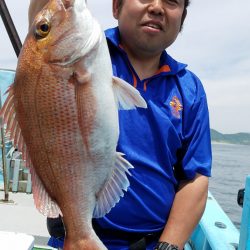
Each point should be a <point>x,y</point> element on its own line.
<point>167,142</point>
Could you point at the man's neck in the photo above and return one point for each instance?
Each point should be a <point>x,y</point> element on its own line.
<point>144,65</point>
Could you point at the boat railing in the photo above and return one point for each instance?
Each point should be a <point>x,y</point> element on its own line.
<point>245,219</point>
<point>217,232</point>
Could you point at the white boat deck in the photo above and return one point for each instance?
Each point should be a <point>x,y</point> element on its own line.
<point>21,216</point>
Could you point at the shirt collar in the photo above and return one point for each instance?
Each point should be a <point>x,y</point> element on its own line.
<point>168,65</point>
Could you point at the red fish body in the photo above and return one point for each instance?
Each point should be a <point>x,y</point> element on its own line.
<point>61,112</point>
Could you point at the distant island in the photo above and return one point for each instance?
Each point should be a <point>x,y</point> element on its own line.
<point>239,138</point>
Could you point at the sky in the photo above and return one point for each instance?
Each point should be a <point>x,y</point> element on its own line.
<point>214,42</point>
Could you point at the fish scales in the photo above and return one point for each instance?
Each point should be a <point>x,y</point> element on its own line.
<point>53,109</point>
<point>62,113</point>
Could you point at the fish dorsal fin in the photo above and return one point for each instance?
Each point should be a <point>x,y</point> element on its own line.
<point>42,200</point>
<point>127,97</point>
<point>113,189</point>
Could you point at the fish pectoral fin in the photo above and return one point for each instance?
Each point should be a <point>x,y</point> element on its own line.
<point>114,188</point>
<point>127,96</point>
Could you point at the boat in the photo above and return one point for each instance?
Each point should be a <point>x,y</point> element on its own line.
<point>23,228</point>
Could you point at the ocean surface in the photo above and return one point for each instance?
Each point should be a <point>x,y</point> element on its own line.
<point>231,165</point>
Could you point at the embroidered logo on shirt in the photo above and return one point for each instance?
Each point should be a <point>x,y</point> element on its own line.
<point>176,107</point>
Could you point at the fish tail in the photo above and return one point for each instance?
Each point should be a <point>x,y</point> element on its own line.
<point>92,242</point>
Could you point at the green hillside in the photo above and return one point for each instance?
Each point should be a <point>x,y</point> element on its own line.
<point>239,138</point>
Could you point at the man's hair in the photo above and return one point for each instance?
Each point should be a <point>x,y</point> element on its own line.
<point>187,2</point>
<point>120,2</point>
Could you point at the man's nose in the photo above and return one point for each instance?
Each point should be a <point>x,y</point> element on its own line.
<point>156,7</point>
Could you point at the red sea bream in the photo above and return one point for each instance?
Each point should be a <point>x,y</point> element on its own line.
<point>62,113</point>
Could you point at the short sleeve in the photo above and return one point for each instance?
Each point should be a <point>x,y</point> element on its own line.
<point>195,156</point>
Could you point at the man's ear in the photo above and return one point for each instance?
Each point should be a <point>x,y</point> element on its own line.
<point>115,9</point>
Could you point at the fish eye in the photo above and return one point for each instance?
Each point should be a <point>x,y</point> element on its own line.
<point>42,29</point>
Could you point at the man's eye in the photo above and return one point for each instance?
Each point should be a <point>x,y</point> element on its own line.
<point>172,1</point>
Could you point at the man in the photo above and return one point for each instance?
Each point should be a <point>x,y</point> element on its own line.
<point>168,143</point>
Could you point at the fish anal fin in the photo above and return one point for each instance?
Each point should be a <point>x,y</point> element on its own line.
<point>43,202</point>
<point>114,188</point>
<point>127,96</point>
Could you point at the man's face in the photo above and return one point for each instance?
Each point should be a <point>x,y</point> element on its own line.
<point>149,25</point>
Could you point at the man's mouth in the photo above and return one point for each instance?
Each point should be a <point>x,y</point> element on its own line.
<point>153,25</point>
